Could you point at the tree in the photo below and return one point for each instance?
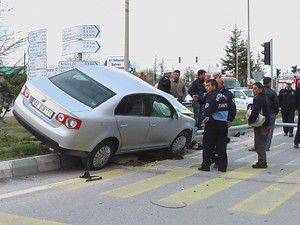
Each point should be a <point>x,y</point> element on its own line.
<point>236,50</point>
<point>189,75</point>
<point>12,84</point>
<point>10,87</point>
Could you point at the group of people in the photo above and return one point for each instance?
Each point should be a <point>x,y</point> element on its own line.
<point>173,85</point>
<point>214,108</point>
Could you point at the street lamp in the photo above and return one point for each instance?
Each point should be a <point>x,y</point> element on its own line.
<point>126,51</point>
<point>248,46</point>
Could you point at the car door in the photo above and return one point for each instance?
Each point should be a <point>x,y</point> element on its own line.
<point>163,126</point>
<point>132,121</point>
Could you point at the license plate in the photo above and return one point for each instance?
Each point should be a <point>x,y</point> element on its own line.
<point>42,108</point>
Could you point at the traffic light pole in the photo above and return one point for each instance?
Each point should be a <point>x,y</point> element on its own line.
<point>271,64</point>
<point>248,47</point>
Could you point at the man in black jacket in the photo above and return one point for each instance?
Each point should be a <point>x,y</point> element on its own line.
<point>297,137</point>
<point>197,91</point>
<point>287,102</point>
<point>164,83</point>
<point>260,103</point>
<point>271,94</point>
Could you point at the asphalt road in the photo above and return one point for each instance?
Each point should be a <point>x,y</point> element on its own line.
<point>165,192</point>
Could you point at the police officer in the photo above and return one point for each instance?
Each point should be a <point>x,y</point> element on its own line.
<point>287,102</point>
<point>215,114</point>
<point>231,112</point>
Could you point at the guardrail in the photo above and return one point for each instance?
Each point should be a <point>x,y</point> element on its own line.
<point>246,126</point>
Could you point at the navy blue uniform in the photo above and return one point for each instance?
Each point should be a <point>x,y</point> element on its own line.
<point>230,104</point>
<point>215,114</point>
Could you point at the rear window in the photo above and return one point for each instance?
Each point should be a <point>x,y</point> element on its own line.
<point>82,88</point>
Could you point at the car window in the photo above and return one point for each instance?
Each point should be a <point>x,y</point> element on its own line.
<point>133,105</point>
<point>238,94</point>
<point>249,93</point>
<point>82,87</point>
<point>160,107</point>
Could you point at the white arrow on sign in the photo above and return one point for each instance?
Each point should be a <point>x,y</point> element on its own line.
<point>82,46</point>
<point>37,36</point>
<point>68,65</point>
<point>79,32</point>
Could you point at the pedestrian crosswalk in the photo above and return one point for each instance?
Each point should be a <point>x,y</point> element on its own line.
<point>197,186</point>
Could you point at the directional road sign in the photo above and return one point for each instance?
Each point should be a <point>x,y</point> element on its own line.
<point>36,74</point>
<point>37,36</point>
<point>68,65</point>
<point>79,32</point>
<point>37,63</point>
<point>84,46</point>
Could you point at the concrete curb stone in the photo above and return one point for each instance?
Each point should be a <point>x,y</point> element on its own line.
<point>29,166</point>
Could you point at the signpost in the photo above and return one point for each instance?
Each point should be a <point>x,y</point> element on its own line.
<point>81,46</point>
<point>117,62</point>
<point>80,32</point>
<point>37,54</point>
<point>68,65</point>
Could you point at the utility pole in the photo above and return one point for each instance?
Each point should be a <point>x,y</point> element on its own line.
<point>126,55</point>
<point>248,46</point>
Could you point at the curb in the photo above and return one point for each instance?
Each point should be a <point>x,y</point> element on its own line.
<point>29,166</point>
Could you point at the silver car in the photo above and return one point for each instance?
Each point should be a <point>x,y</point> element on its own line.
<point>95,112</point>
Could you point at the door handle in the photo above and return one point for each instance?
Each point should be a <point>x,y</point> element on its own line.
<point>123,125</point>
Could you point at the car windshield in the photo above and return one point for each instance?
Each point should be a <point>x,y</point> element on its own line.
<point>249,93</point>
<point>231,83</point>
<point>82,87</point>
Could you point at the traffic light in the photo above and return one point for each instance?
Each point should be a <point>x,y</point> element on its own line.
<point>278,72</point>
<point>196,59</point>
<point>267,53</point>
<point>179,59</point>
<point>294,69</point>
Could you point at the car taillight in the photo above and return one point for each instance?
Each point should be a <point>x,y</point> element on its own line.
<point>26,92</point>
<point>68,121</point>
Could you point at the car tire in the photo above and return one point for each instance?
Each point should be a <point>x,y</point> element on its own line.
<point>180,142</point>
<point>249,106</point>
<point>99,157</point>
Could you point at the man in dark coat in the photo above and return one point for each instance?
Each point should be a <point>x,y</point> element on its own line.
<point>261,103</point>
<point>287,102</point>
<point>164,83</point>
<point>297,137</point>
<point>197,91</point>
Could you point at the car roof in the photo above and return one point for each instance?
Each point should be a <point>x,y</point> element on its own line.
<point>118,80</point>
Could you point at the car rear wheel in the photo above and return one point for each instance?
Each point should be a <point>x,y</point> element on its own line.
<point>99,157</point>
<point>180,142</point>
<point>249,106</point>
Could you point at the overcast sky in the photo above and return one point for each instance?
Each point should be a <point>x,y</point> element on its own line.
<point>165,28</point>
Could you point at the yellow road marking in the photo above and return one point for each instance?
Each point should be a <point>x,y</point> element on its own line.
<point>9,219</point>
<point>149,184</point>
<point>78,183</point>
<point>272,196</point>
<point>208,188</point>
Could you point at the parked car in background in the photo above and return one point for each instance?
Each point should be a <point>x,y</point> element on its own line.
<point>96,112</point>
<point>243,98</point>
<point>230,82</point>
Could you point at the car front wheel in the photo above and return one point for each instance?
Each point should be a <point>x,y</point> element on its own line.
<point>180,142</point>
<point>99,157</point>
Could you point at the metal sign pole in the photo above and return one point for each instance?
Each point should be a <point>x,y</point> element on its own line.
<point>126,55</point>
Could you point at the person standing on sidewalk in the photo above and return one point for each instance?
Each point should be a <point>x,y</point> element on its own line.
<point>197,91</point>
<point>178,89</point>
<point>271,94</point>
<point>215,115</point>
<point>297,106</point>
<point>287,102</point>
<point>261,104</point>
